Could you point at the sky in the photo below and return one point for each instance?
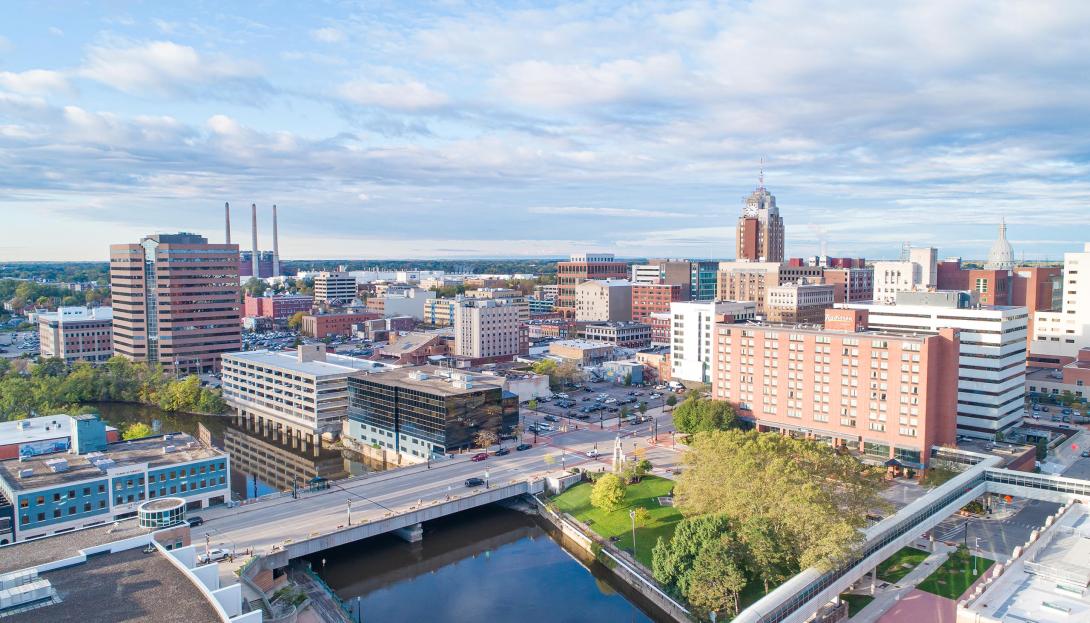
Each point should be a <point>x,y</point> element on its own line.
<point>395,130</point>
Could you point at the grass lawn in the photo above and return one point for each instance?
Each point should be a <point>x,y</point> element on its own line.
<point>663,520</point>
<point>856,603</point>
<point>955,575</point>
<point>900,564</point>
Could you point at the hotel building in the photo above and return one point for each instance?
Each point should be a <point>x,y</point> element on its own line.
<point>691,335</point>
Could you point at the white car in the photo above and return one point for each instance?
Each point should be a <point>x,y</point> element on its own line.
<point>592,454</point>
<point>610,401</point>
<point>214,555</point>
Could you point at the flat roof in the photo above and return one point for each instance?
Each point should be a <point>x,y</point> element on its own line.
<point>43,428</point>
<point>130,585</point>
<point>288,360</point>
<point>436,380</point>
<point>39,551</point>
<point>122,453</point>
<point>583,344</point>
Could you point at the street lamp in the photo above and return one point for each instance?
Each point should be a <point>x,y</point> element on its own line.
<point>486,483</point>
<point>632,516</point>
<point>975,555</point>
<point>349,512</point>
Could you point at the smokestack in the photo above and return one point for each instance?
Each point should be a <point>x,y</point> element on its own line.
<point>276,247</point>
<point>227,218</point>
<point>257,270</point>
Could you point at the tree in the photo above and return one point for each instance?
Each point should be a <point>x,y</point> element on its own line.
<point>50,366</point>
<point>717,579</point>
<point>642,407</point>
<point>628,379</point>
<point>1042,449</point>
<point>624,412</point>
<point>766,551</point>
<point>295,322</point>
<point>255,287</point>
<point>607,493</point>
<point>643,516</point>
<point>136,430</point>
<point>485,438</point>
<point>671,400</point>
<point>673,560</point>
<point>532,405</point>
<point>697,415</point>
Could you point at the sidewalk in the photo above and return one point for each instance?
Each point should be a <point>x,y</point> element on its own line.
<point>886,598</point>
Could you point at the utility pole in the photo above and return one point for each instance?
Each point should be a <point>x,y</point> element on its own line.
<point>350,512</point>
<point>632,516</point>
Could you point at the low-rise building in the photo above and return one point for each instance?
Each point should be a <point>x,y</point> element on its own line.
<point>851,285</point>
<point>409,301</point>
<point>919,272</point>
<point>439,312</point>
<point>278,307</point>
<point>417,413</point>
<point>526,385</point>
<point>582,352</point>
<point>304,393</point>
<point>623,372</point>
<point>799,303</point>
<point>98,482</point>
<point>1073,378</point>
<point>656,363</point>
<point>415,348</point>
<point>660,328</point>
<point>650,299</point>
<point>624,334</point>
<point>46,434</point>
<point>326,325</point>
<point>77,334</point>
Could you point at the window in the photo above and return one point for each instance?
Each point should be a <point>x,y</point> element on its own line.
<point>86,491</point>
<point>102,488</point>
<point>56,513</point>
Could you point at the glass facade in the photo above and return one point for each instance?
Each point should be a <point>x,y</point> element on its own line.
<point>702,278</point>
<point>162,513</point>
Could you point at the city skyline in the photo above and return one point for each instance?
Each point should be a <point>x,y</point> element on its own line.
<point>636,130</point>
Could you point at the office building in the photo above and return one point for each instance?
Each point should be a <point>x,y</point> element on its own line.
<point>851,285</point>
<point>415,348</point>
<point>1073,378</point>
<point>513,297</point>
<point>799,303</point>
<point>302,393</point>
<point>334,288</point>
<point>45,434</point>
<point>623,334</point>
<point>645,274</point>
<point>1038,289</point>
<point>540,307</point>
<point>489,330</point>
<point>76,334</point>
<point>546,292</point>
<point>991,384</point>
<point>1059,335</point>
<point>417,413</point>
<point>888,396</point>
<point>278,307</point>
<point>581,267</point>
<point>703,278</point>
<point>660,328</point>
<point>439,312</point>
<point>657,271</point>
<point>750,281</point>
<point>691,335</point>
<point>176,301</point>
<point>402,301</point>
<point>918,272</point>
<point>326,325</point>
<point>97,482</point>
<point>582,352</point>
<point>760,234</point>
<point>653,299</point>
<point>605,300</point>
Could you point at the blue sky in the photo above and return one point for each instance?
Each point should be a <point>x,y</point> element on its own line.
<point>405,130</point>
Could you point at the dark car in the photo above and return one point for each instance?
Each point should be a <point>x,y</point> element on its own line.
<point>523,446</point>
<point>501,452</point>
<point>195,521</point>
<point>581,416</point>
<point>480,456</point>
<point>474,482</point>
<point>551,418</point>
<point>508,437</point>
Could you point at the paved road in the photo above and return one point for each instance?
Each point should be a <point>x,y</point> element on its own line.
<point>262,524</point>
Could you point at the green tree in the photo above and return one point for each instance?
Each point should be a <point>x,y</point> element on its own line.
<point>255,287</point>
<point>697,415</point>
<point>1042,449</point>
<point>532,405</point>
<point>607,493</point>
<point>50,366</point>
<point>672,560</point>
<point>717,579</point>
<point>295,322</point>
<point>642,408</point>
<point>767,553</point>
<point>136,430</point>
<point>671,400</point>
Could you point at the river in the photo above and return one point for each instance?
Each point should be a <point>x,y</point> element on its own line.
<point>488,565</point>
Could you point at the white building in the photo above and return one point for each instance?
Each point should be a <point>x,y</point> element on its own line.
<point>918,272</point>
<point>692,325</point>
<point>992,373</point>
<point>604,300</point>
<point>406,301</point>
<point>1062,333</point>
<point>332,287</point>
<point>306,392</point>
<point>485,328</point>
<point>77,334</point>
<point>645,274</point>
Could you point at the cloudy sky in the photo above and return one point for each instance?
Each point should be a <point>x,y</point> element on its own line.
<point>403,130</point>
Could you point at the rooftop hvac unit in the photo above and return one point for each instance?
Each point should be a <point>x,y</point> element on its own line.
<point>57,465</point>
<point>168,449</point>
<point>463,384</point>
<point>418,375</point>
<point>24,424</point>
<point>26,472</point>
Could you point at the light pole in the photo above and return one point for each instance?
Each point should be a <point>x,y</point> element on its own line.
<point>977,549</point>
<point>632,516</point>
<point>486,483</point>
<point>349,512</point>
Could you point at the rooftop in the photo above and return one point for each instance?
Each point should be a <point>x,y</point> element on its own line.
<point>36,552</point>
<point>408,342</point>
<point>80,467</point>
<point>78,314</point>
<point>288,360</point>
<point>627,324</point>
<point>437,380</point>
<point>33,429</point>
<point>583,344</point>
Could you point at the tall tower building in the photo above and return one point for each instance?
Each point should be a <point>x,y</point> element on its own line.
<point>581,267</point>
<point>760,228</point>
<point>176,301</point>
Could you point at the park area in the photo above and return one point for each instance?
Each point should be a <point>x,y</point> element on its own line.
<point>901,564</point>
<point>661,521</point>
<point>955,576</point>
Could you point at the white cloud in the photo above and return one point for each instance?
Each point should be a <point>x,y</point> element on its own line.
<point>547,85</point>
<point>327,35</point>
<point>410,95</point>
<point>56,32</point>
<point>34,81</point>
<point>592,211</point>
<point>161,67</point>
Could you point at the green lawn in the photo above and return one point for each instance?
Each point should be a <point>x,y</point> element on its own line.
<point>955,576</point>
<point>856,603</point>
<point>576,501</point>
<point>900,564</point>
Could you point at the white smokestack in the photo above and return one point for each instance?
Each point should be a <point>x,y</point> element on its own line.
<point>257,270</point>
<point>276,247</point>
<point>227,218</point>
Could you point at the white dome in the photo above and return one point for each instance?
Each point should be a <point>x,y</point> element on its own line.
<point>1001,257</point>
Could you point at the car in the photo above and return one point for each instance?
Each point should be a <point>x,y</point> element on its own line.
<point>545,427</point>
<point>613,409</point>
<point>1085,454</point>
<point>195,521</point>
<point>551,418</point>
<point>214,555</point>
<point>655,396</point>
<point>480,456</point>
<point>561,395</point>
<point>638,392</point>
<point>523,446</point>
<point>474,482</point>
<point>501,452</point>
<point>610,401</point>
<point>592,453</point>
<point>1045,409</point>
<point>1066,411</point>
<point>581,416</point>
<point>1036,417</point>
<point>586,398</point>
<point>508,437</point>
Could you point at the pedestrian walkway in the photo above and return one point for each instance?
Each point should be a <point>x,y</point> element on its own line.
<point>888,596</point>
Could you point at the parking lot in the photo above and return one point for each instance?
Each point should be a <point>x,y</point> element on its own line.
<point>18,343</point>
<point>567,408</point>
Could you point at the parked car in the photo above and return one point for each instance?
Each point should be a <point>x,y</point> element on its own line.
<point>501,452</point>
<point>480,456</point>
<point>561,395</point>
<point>523,446</point>
<point>214,555</point>
<point>582,415</point>
<point>474,482</point>
<point>613,409</point>
<point>1045,409</point>
<point>195,521</point>
<point>1036,407</point>
<point>551,418</point>
<point>592,453</point>
<point>1085,454</point>
<point>610,401</point>
<point>508,437</point>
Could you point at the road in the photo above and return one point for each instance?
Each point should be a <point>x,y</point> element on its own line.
<point>265,523</point>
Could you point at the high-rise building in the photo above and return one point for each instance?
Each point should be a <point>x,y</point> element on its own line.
<point>488,329</point>
<point>1058,335</point>
<point>176,301</point>
<point>760,235</point>
<point>579,268</point>
<point>654,299</point>
<point>991,383</point>
<point>77,334</point>
<point>1038,289</point>
<point>515,297</point>
<point>703,277</point>
<point>918,272</point>
<point>750,281</point>
<point>606,300</point>
<point>334,288</point>
<point>885,395</point>
<point>692,326</point>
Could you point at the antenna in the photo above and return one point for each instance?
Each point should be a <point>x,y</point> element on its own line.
<point>761,177</point>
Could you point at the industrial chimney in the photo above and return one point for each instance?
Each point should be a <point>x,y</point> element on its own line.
<point>257,261</point>
<point>227,218</point>
<point>276,248</point>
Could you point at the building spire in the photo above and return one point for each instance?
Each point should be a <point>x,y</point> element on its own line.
<point>761,176</point>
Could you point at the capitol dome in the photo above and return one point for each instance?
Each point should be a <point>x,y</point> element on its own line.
<point>1001,257</point>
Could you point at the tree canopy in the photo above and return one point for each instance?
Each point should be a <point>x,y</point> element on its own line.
<point>696,415</point>
<point>607,493</point>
